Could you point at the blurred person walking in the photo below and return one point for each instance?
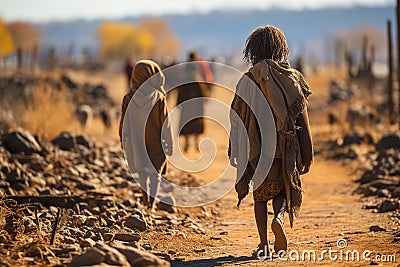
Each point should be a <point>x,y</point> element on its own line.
<point>286,92</point>
<point>189,125</point>
<point>128,67</point>
<point>147,107</point>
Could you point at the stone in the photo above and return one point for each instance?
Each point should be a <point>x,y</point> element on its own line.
<point>120,214</point>
<point>92,256</point>
<point>167,203</point>
<point>147,247</point>
<point>108,236</point>
<point>65,251</point>
<point>388,141</point>
<point>87,242</point>
<point>75,231</point>
<point>113,256</point>
<point>84,206</point>
<point>396,193</point>
<point>98,163</point>
<point>36,166</point>
<point>109,221</point>
<point>21,141</point>
<point>129,203</point>
<point>139,258</point>
<point>33,251</point>
<point>89,234</point>
<point>68,82</point>
<point>36,181</point>
<point>381,183</point>
<point>376,228</point>
<point>136,221</point>
<point>85,141</point>
<point>65,141</point>
<point>85,185</point>
<point>127,237</point>
<point>383,193</point>
<point>370,206</point>
<point>366,190</point>
<point>388,205</point>
<point>100,91</point>
<point>14,176</point>
<point>78,220</point>
<point>67,239</point>
<point>181,234</point>
<point>353,138</point>
<point>102,230</point>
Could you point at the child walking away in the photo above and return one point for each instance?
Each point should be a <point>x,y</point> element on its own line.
<point>286,92</point>
<point>145,131</point>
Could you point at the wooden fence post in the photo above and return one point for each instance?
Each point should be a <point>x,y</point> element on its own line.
<point>390,75</point>
<point>398,58</point>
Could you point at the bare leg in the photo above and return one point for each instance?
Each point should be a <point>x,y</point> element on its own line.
<point>144,187</point>
<point>261,215</point>
<point>186,146</point>
<point>155,180</point>
<point>278,204</point>
<point>196,141</point>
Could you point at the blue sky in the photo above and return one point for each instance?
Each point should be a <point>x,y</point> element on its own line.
<point>45,10</point>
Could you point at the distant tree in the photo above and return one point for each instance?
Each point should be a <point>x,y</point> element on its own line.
<point>25,35</point>
<point>7,45</point>
<point>166,43</point>
<point>122,40</point>
<point>27,40</point>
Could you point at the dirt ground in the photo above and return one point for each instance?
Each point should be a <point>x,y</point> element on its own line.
<point>331,213</point>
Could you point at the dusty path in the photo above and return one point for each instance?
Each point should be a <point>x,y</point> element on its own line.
<point>330,212</point>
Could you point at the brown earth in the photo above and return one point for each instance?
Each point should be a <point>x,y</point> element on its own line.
<point>330,211</point>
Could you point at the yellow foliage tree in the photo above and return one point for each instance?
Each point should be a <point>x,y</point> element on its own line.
<point>6,41</point>
<point>165,41</point>
<point>26,36</point>
<point>122,40</point>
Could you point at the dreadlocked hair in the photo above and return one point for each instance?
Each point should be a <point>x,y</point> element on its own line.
<point>266,42</point>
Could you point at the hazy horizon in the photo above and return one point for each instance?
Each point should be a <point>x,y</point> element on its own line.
<point>45,10</point>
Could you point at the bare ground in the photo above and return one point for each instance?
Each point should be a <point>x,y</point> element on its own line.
<point>330,211</point>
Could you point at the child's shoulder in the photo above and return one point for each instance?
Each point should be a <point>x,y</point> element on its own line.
<point>246,78</point>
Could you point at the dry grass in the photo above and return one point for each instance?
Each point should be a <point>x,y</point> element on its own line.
<point>49,112</point>
<point>18,248</point>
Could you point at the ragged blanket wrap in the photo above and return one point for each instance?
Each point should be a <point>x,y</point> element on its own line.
<point>286,92</point>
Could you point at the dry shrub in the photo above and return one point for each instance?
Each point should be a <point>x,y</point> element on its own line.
<point>49,112</point>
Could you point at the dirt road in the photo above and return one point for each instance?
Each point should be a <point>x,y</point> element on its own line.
<point>330,213</point>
